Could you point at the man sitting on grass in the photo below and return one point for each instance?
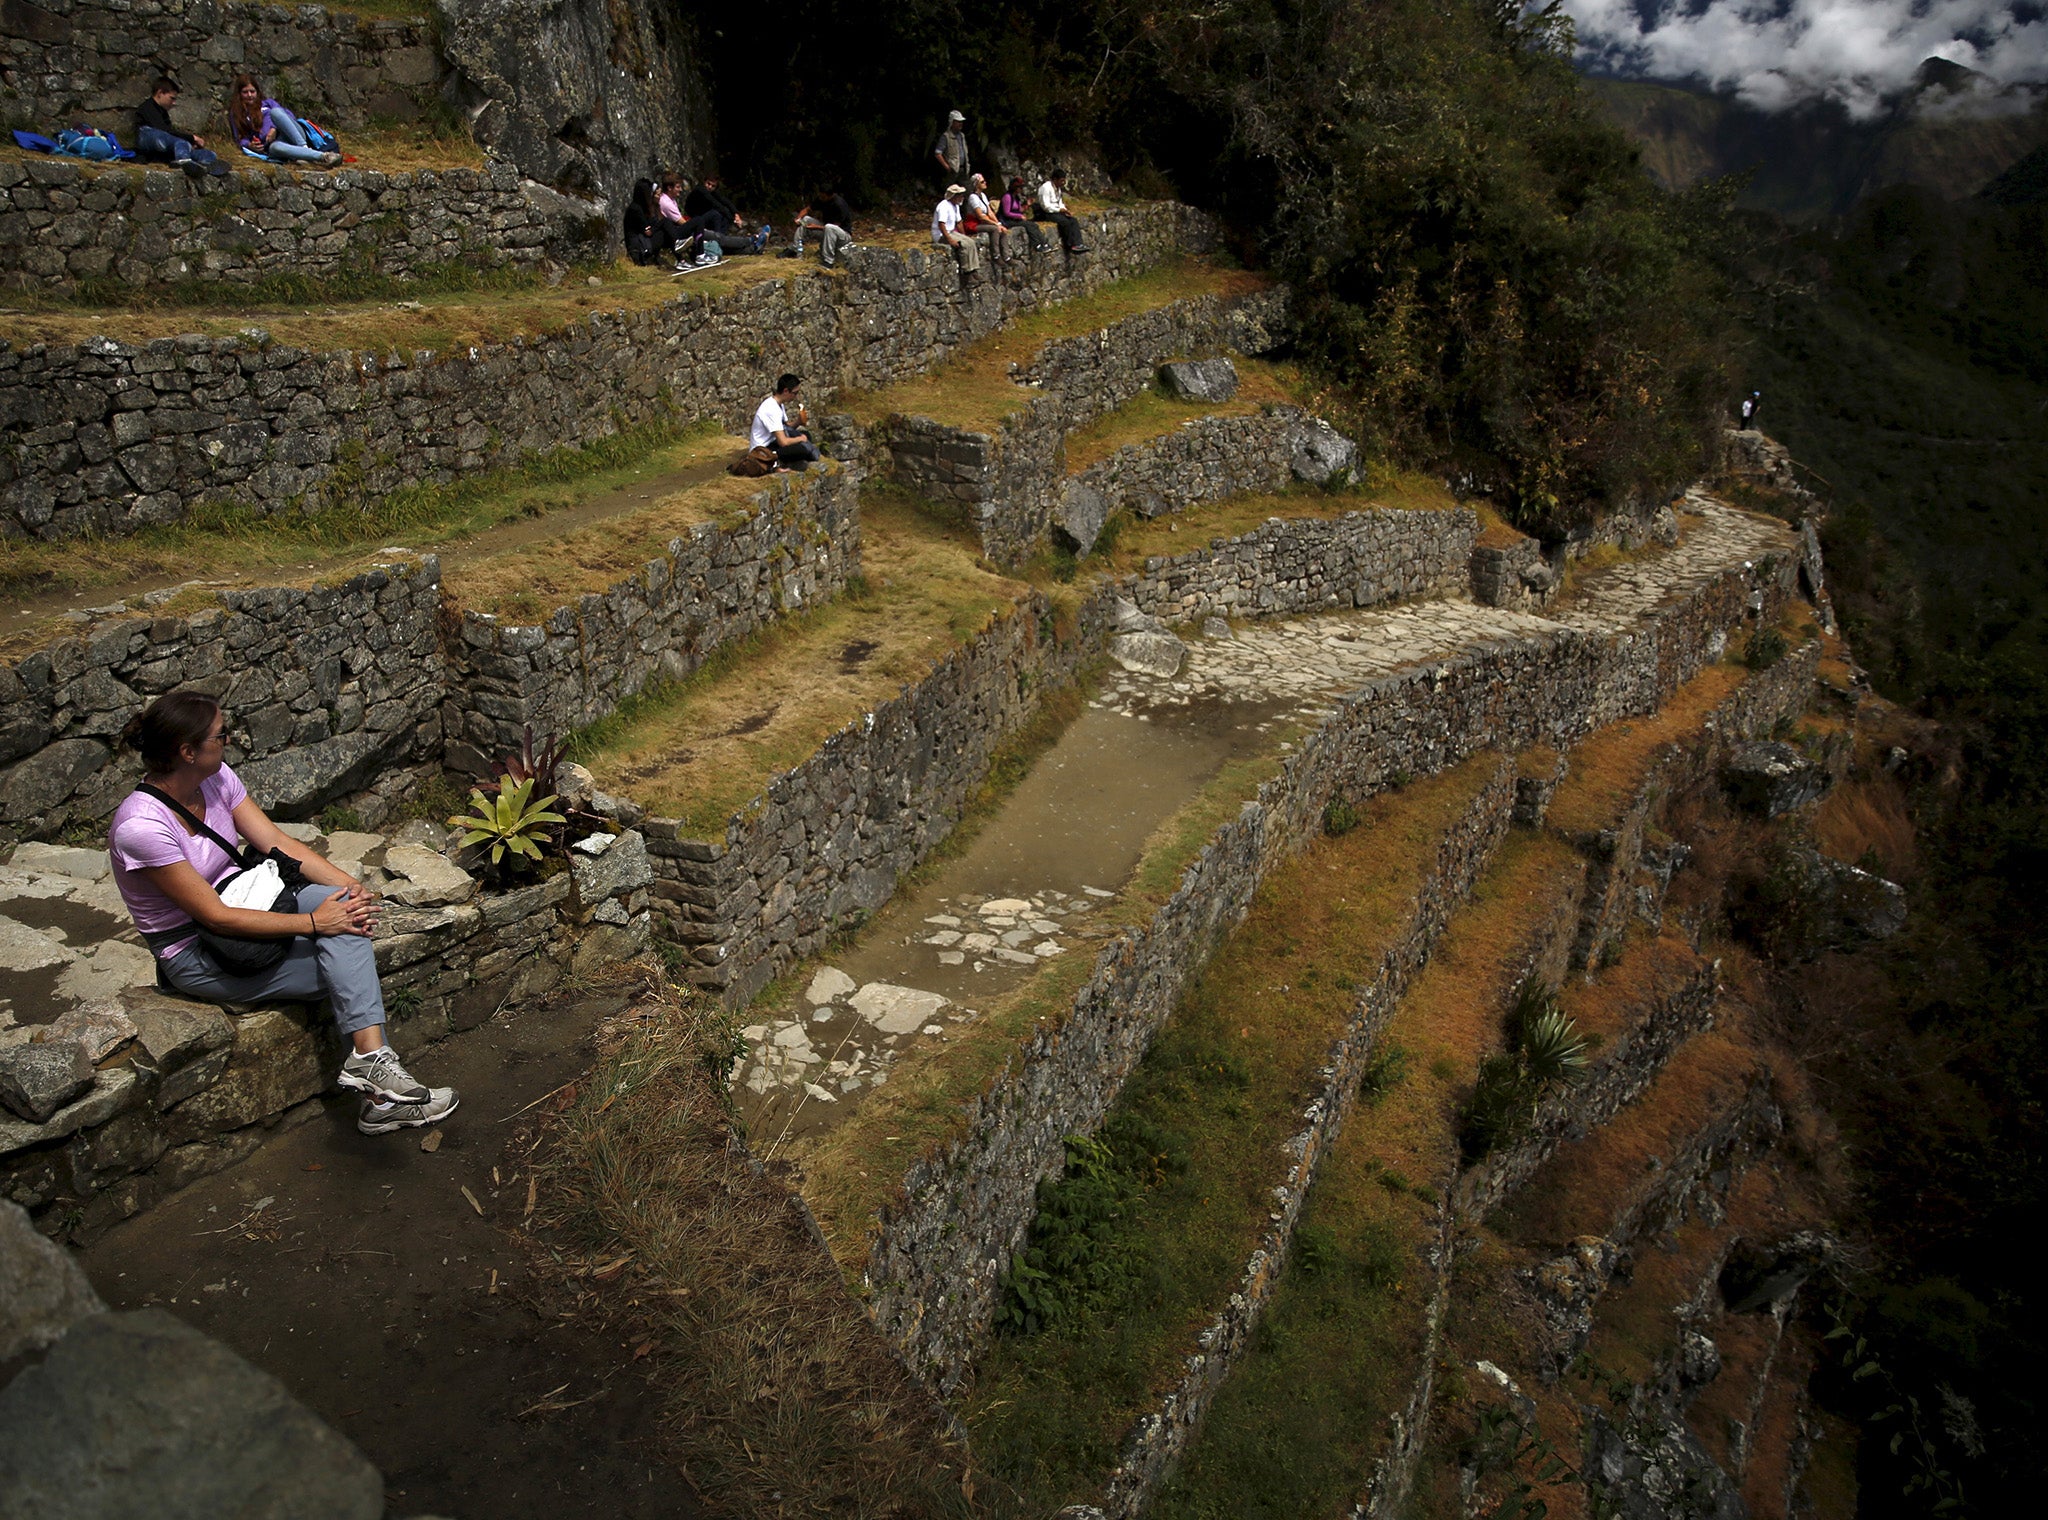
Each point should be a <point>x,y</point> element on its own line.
<point>780,424</point>
<point>157,138</point>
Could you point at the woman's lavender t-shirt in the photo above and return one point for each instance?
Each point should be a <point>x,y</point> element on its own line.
<point>145,832</point>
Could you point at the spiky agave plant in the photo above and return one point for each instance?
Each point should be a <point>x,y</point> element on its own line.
<point>1553,1050</point>
<point>512,823</point>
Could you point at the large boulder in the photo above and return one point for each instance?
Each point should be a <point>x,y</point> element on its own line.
<point>1143,644</point>
<point>139,1414</point>
<point>42,1292</point>
<point>1770,778</point>
<point>1083,511</point>
<point>1205,380</point>
<point>1320,455</point>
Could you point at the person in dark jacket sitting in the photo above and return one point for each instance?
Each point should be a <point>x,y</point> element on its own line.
<point>708,200</point>
<point>158,138</point>
<point>645,232</point>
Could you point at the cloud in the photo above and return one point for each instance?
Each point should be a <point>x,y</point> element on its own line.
<point>1777,53</point>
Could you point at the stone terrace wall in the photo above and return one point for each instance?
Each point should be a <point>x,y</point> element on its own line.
<point>184,1088</point>
<point>326,686</point>
<point>1286,565</point>
<point>62,221</point>
<point>824,845</point>
<point>719,581</point>
<point>105,437</point>
<point>935,1261</point>
<point>1203,460</point>
<point>1011,483</point>
<point>68,60</point>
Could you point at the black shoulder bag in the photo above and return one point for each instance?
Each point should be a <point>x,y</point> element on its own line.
<point>237,956</point>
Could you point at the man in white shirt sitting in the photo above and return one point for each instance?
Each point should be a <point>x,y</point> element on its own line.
<point>775,427</point>
<point>1052,207</point>
<point>946,229</point>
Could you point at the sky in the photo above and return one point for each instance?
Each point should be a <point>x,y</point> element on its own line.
<point>1774,54</point>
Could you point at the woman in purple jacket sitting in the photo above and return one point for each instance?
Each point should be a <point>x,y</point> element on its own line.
<point>269,130</point>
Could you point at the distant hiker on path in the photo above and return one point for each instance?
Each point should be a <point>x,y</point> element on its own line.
<point>1751,405</point>
<point>173,845</point>
<point>949,153</point>
<point>776,428</point>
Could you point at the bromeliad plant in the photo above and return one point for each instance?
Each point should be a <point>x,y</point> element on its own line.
<point>513,824</point>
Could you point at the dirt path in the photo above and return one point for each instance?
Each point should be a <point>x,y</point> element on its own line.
<point>356,1270</point>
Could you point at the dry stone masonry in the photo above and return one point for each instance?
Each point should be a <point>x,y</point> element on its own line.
<point>62,221</point>
<point>63,61</point>
<point>719,581</point>
<point>824,844</point>
<point>1010,483</point>
<point>1204,460</point>
<point>1400,693</point>
<point>328,685</point>
<point>107,437</point>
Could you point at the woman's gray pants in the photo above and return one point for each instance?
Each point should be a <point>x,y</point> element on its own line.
<point>339,967</point>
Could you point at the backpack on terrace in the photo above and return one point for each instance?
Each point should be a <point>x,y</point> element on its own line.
<point>753,463</point>
<point>318,138</point>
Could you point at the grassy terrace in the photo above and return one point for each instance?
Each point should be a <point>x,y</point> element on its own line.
<point>585,540</point>
<point>470,517</point>
<point>1223,1085</point>
<point>973,389</point>
<point>700,749</point>
<point>1153,412</point>
<point>1297,1426</point>
<point>1128,541</point>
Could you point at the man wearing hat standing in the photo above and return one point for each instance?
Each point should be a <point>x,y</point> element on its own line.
<point>950,152</point>
<point>946,229</point>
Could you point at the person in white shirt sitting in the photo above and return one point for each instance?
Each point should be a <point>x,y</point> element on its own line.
<point>1052,207</point>
<point>946,229</point>
<point>781,424</point>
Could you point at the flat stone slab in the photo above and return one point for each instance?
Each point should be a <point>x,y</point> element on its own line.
<point>36,1081</point>
<point>62,860</point>
<point>24,949</point>
<point>896,1010</point>
<point>140,1414</point>
<point>99,1027</point>
<point>828,985</point>
<point>431,879</point>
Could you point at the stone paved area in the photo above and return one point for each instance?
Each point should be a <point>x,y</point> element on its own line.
<point>798,1078</point>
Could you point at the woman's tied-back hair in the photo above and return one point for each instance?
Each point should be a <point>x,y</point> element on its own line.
<point>246,121</point>
<point>167,725</point>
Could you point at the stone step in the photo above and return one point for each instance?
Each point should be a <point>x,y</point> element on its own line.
<point>984,435</point>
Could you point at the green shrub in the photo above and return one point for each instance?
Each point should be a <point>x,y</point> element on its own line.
<point>1339,818</point>
<point>1765,648</point>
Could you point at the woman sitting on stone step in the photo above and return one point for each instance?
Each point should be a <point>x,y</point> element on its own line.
<point>268,130</point>
<point>172,841</point>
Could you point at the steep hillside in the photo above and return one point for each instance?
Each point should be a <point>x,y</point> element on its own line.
<point>1815,160</point>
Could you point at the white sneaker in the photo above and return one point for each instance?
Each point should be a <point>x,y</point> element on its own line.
<point>382,1119</point>
<point>381,1076</point>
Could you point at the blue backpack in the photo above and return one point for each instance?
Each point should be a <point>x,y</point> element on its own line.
<point>318,138</point>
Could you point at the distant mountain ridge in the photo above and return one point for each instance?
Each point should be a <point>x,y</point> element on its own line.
<point>1954,131</point>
